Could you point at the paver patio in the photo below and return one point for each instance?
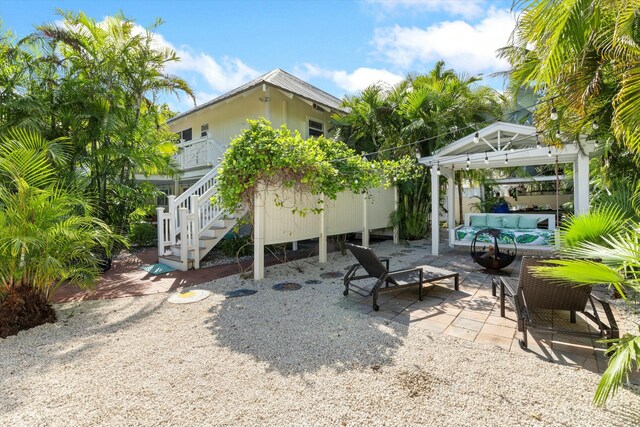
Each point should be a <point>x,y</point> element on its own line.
<point>472,313</point>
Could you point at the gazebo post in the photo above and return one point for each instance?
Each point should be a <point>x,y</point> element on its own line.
<point>451,199</point>
<point>581,184</point>
<point>435,207</point>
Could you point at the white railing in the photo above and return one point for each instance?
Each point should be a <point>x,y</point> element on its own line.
<point>204,187</point>
<point>189,216</point>
<point>198,153</point>
<point>164,230</point>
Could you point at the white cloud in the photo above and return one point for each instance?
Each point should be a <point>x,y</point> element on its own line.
<point>352,82</point>
<point>463,46</point>
<point>221,75</point>
<point>467,8</point>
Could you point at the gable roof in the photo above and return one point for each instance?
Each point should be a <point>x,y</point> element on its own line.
<point>279,79</point>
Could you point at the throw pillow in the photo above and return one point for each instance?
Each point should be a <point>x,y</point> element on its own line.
<point>510,221</point>
<point>494,221</point>
<point>528,221</point>
<point>478,221</point>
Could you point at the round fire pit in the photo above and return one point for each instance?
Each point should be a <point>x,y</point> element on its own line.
<point>486,251</point>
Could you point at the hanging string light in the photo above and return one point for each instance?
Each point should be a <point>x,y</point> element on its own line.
<point>438,169</point>
<point>596,143</point>
<point>595,125</point>
<point>476,138</point>
<point>506,159</point>
<point>549,153</point>
<point>538,146</point>
<point>558,133</point>
<point>418,153</point>
<point>486,158</point>
<point>554,112</point>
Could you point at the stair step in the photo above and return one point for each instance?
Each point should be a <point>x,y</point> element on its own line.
<point>208,238</point>
<point>215,227</point>
<point>175,258</point>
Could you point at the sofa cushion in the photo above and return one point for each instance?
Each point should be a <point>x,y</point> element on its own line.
<point>510,221</point>
<point>494,221</point>
<point>478,220</point>
<point>528,221</point>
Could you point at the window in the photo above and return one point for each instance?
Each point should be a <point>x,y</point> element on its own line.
<point>204,129</point>
<point>316,128</point>
<point>185,135</point>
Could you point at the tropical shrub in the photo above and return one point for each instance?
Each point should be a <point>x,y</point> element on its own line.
<point>97,84</point>
<point>584,56</point>
<point>237,246</point>
<point>47,231</point>
<point>143,234</point>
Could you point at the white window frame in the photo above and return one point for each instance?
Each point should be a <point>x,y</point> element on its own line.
<point>204,133</point>
<point>180,134</point>
<point>322,122</point>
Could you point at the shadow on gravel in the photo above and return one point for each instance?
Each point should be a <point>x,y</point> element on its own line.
<point>303,331</point>
<point>26,355</point>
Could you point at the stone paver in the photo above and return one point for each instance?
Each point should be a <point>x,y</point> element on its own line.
<point>472,313</point>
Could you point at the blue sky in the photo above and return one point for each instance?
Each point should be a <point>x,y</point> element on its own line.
<point>339,46</point>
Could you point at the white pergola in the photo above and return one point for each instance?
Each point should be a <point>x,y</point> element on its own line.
<point>499,142</point>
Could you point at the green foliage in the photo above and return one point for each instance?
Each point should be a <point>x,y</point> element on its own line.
<point>624,353</point>
<point>609,234</point>
<point>413,208</point>
<point>47,230</point>
<point>143,234</point>
<point>432,110</point>
<point>237,247</point>
<point>95,84</point>
<point>601,222</point>
<point>276,158</point>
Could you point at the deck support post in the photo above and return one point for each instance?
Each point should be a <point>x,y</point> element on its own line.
<point>365,220</point>
<point>258,232</point>
<point>396,228</point>
<point>322,238</point>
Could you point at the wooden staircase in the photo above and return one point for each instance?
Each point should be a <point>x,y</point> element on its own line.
<point>192,226</point>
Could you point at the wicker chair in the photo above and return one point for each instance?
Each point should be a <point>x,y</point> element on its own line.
<point>374,268</point>
<point>535,300</point>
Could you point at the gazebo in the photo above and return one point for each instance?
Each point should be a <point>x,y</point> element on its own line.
<point>503,145</point>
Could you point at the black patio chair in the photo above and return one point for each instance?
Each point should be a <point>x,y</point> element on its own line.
<point>535,299</point>
<point>374,268</point>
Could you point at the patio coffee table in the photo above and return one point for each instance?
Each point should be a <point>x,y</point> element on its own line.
<point>433,274</point>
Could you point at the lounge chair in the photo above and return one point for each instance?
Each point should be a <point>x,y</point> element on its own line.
<point>535,300</point>
<point>374,268</point>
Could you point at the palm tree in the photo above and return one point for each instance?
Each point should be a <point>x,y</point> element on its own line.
<point>106,78</point>
<point>48,234</point>
<point>585,56</point>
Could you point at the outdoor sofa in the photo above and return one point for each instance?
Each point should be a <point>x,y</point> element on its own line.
<point>531,230</point>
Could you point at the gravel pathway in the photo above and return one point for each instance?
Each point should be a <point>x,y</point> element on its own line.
<point>305,357</point>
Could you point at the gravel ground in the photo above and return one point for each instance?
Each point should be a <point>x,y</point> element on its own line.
<point>305,357</point>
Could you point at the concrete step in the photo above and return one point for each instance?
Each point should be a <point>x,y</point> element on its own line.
<point>174,261</point>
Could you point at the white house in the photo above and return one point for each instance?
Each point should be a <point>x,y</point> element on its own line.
<point>192,225</point>
<point>206,130</point>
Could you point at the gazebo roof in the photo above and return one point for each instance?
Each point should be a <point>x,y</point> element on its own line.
<point>500,141</point>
